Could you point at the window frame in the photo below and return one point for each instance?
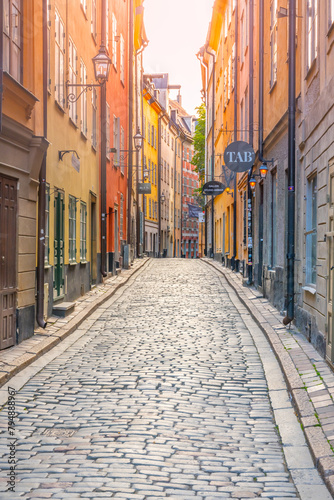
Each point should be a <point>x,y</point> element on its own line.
<point>311,231</point>
<point>72,229</point>
<point>73,72</point>
<point>83,231</point>
<point>13,40</point>
<point>311,33</point>
<point>59,60</point>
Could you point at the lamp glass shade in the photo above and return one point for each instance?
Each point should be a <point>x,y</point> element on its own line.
<point>252,183</point>
<point>101,67</point>
<point>145,173</point>
<point>263,171</point>
<point>138,140</point>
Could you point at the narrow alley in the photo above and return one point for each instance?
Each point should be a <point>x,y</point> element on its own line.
<point>170,391</point>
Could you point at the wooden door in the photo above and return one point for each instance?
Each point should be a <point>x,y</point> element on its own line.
<point>8,211</point>
<point>330,271</point>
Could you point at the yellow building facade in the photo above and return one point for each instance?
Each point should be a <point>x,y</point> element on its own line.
<point>151,113</point>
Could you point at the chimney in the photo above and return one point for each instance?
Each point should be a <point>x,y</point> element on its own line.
<point>179,99</point>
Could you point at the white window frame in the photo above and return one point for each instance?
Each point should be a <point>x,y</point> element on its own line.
<point>93,25</point>
<point>273,42</point>
<point>72,76</point>
<point>122,59</point>
<point>330,13</point>
<point>12,38</point>
<point>59,60</point>
<point>94,118</point>
<point>107,131</point>
<point>311,32</point>
<point>83,81</point>
<point>122,149</point>
<point>114,41</point>
<point>116,140</point>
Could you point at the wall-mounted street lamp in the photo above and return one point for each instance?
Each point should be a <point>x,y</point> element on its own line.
<point>102,64</point>
<point>229,191</point>
<point>263,174</point>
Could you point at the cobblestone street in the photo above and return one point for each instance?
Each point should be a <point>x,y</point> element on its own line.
<point>169,391</point>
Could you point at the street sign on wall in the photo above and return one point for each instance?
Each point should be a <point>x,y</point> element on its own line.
<point>239,156</point>
<point>213,188</point>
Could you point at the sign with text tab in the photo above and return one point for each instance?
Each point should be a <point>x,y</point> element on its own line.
<point>213,188</point>
<point>239,156</point>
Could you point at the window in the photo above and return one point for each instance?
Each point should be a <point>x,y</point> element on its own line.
<point>242,120</point>
<point>108,131</point>
<point>83,79</point>
<point>242,37</point>
<point>122,149</point>
<point>311,32</point>
<point>93,26</point>
<point>116,140</point>
<point>121,217</point>
<point>12,41</point>
<point>311,231</point>
<point>155,136</point>
<point>150,208</point>
<point>107,27</point>
<point>83,4</point>
<point>331,12</point>
<point>114,41</point>
<point>273,42</point>
<point>83,233</point>
<point>149,132</point>
<point>225,87</point>
<point>122,59</point>
<point>72,216</point>
<point>72,79</point>
<point>172,178</point>
<point>59,60</point>
<point>229,83</point>
<point>233,69</point>
<point>94,118</point>
<point>47,225</point>
<point>152,136</point>
<point>49,45</point>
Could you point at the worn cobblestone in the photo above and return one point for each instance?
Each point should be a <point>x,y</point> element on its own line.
<point>165,395</point>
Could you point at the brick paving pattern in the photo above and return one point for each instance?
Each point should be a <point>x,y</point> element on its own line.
<point>163,397</point>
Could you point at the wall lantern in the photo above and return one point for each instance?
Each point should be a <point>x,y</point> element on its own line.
<point>252,183</point>
<point>138,140</point>
<point>263,171</point>
<point>102,65</point>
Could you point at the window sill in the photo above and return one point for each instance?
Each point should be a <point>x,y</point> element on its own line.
<point>83,262</point>
<point>311,71</point>
<point>47,266</point>
<point>83,136</point>
<point>59,106</point>
<point>310,289</point>
<point>72,122</point>
<point>72,263</point>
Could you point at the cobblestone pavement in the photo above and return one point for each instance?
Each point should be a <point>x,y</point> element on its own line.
<point>164,394</point>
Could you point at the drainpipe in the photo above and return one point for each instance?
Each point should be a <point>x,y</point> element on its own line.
<point>233,263</point>
<point>213,78</point>
<point>130,141</point>
<point>175,177</point>
<point>103,153</point>
<point>42,183</point>
<point>261,57</point>
<point>251,139</point>
<point>291,165</point>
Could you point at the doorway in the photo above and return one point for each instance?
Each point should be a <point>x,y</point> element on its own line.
<point>93,241</point>
<point>330,271</point>
<point>8,211</point>
<point>260,270</point>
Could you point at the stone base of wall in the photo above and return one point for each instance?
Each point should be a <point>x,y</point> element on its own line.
<point>273,287</point>
<point>25,321</point>
<point>306,323</point>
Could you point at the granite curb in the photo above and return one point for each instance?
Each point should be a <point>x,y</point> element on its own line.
<point>51,340</point>
<point>320,448</point>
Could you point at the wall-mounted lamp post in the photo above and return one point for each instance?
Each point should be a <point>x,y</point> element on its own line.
<point>263,174</point>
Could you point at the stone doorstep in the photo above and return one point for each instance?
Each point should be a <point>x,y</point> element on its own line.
<point>320,449</point>
<point>63,309</point>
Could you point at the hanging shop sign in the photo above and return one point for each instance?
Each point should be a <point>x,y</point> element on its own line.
<point>213,188</point>
<point>144,188</point>
<point>239,156</point>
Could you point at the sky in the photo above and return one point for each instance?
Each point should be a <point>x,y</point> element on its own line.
<point>176,30</point>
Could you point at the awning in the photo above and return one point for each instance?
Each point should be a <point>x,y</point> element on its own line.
<point>140,38</point>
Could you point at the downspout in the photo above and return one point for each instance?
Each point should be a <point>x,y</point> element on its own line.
<point>261,57</point>
<point>142,150</point>
<point>103,96</point>
<point>213,78</point>
<point>130,121</point>
<point>251,139</point>
<point>291,166</point>
<point>233,263</point>
<point>42,184</point>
